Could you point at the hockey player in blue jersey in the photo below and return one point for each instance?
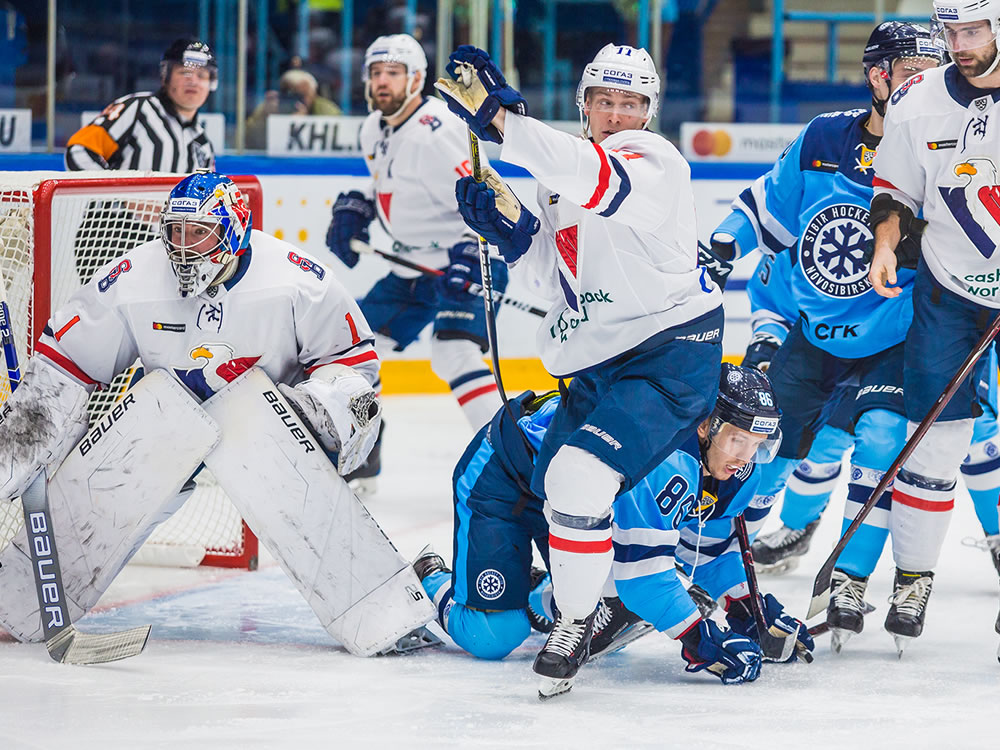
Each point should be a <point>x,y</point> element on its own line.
<point>809,488</point>
<point>681,512</point>
<point>815,203</point>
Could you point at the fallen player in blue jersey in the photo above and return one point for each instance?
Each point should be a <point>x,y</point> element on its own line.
<point>681,513</point>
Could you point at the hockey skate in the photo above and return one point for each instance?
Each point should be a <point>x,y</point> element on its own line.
<point>703,601</point>
<point>363,479</point>
<point>427,562</point>
<point>847,610</point>
<point>990,544</point>
<point>538,620</point>
<point>615,627</point>
<point>909,606</point>
<point>566,650</point>
<point>778,553</point>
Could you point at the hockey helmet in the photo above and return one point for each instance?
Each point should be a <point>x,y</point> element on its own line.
<point>205,227</point>
<point>747,402</point>
<point>950,12</point>
<point>395,48</point>
<point>893,40</point>
<point>623,68</point>
<point>190,53</point>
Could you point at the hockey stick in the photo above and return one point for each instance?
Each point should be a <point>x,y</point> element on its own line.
<point>778,649</point>
<point>360,246</point>
<point>7,338</point>
<point>64,642</point>
<point>822,584</point>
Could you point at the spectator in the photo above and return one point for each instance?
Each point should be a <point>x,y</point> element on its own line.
<point>297,95</point>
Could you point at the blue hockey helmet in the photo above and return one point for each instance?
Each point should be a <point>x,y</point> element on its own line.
<point>893,40</point>
<point>205,227</point>
<point>746,401</point>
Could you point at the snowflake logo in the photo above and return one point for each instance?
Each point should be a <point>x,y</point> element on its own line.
<point>832,251</point>
<point>490,584</point>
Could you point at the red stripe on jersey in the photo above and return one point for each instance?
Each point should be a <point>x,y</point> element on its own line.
<point>570,545</point>
<point>603,176</point>
<point>463,400</point>
<point>64,362</point>
<point>62,331</point>
<point>356,359</point>
<point>385,200</point>
<point>933,506</point>
<point>566,244</point>
<point>879,182</point>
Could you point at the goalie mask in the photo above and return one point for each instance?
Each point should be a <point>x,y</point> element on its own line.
<point>967,26</point>
<point>205,227</point>
<point>744,426</point>
<point>395,48</point>
<point>621,68</point>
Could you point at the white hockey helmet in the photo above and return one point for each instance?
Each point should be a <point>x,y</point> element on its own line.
<point>948,12</point>
<point>624,68</point>
<point>395,48</point>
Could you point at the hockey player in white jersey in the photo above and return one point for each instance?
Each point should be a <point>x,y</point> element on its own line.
<point>633,318</point>
<point>415,150</point>
<point>940,156</point>
<point>209,301</point>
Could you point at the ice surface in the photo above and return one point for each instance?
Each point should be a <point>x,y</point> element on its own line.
<point>236,660</point>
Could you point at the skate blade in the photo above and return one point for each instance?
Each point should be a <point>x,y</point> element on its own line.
<point>634,633</point>
<point>901,643</point>
<point>550,687</point>
<point>779,568</point>
<point>839,638</point>
<point>415,640</point>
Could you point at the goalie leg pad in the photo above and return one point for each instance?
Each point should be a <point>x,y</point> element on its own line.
<point>107,497</point>
<point>361,589</point>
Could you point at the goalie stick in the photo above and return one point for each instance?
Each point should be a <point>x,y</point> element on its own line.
<point>822,584</point>
<point>7,338</point>
<point>360,246</point>
<point>64,642</point>
<point>778,649</point>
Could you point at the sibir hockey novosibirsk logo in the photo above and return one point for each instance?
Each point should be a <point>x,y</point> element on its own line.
<point>490,584</point>
<point>832,252</point>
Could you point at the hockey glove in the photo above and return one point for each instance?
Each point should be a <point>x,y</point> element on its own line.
<point>341,409</point>
<point>715,259</point>
<point>760,351</point>
<point>478,91</point>
<point>494,212</point>
<point>779,624</point>
<point>731,657</point>
<point>352,213</point>
<point>464,277</point>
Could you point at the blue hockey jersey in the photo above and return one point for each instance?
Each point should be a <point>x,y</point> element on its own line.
<point>814,202</point>
<point>772,306</point>
<point>673,516</point>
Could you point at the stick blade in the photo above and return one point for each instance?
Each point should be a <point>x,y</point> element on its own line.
<point>822,586</point>
<point>70,646</point>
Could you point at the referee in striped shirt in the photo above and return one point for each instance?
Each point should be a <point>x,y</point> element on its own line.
<point>154,131</point>
<point>145,131</point>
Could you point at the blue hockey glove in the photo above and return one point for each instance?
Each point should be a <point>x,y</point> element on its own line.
<point>731,657</point>
<point>779,623</point>
<point>760,351</point>
<point>352,213</point>
<point>715,259</point>
<point>478,90</point>
<point>491,210</point>
<point>464,275</point>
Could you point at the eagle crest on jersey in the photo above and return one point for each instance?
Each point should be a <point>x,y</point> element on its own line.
<point>218,366</point>
<point>204,200</point>
<point>975,203</point>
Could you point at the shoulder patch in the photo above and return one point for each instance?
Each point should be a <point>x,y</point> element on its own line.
<point>430,121</point>
<point>124,266</point>
<point>306,265</point>
<point>901,91</point>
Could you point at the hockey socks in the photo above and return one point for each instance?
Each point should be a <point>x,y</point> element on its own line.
<point>864,549</point>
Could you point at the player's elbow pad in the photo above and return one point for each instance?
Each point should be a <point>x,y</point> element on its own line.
<point>42,422</point>
<point>341,408</point>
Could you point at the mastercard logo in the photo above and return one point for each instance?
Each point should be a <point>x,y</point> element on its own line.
<point>712,143</point>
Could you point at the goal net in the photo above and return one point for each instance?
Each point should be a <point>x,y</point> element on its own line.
<point>56,230</point>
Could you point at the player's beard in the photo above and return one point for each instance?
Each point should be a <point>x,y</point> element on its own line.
<point>981,65</point>
<point>390,106</point>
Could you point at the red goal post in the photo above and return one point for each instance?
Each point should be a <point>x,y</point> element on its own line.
<point>56,230</point>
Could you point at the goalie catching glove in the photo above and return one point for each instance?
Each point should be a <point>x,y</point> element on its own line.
<point>478,91</point>
<point>492,210</point>
<point>779,624</point>
<point>342,410</point>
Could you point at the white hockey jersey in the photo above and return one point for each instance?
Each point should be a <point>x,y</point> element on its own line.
<point>282,311</point>
<point>617,250</point>
<point>414,167</point>
<point>941,154</point>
